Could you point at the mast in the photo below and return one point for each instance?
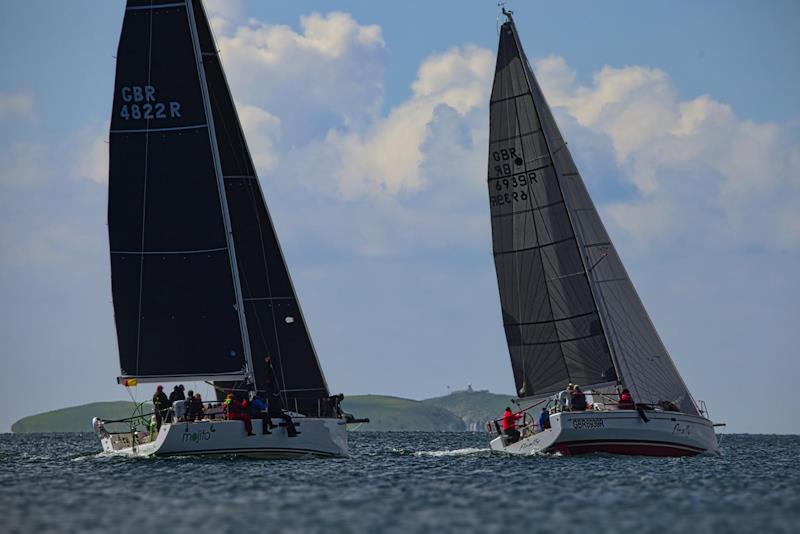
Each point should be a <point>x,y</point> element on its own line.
<point>223,200</point>
<point>546,138</point>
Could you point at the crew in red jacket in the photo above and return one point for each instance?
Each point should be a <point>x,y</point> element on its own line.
<point>237,410</point>
<point>510,424</point>
<point>625,400</point>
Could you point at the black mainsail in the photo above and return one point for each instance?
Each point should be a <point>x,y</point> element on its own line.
<point>200,286</point>
<point>570,311</point>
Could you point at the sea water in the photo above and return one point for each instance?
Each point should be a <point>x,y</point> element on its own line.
<point>399,482</point>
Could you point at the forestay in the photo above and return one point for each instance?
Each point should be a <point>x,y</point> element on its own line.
<point>565,295</point>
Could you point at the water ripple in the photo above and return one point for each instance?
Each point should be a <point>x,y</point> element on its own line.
<point>398,482</point>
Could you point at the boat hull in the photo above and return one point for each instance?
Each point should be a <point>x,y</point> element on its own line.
<point>318,437</point>
<point>618,432</point>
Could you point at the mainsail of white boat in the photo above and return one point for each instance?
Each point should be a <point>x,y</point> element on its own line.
<point>200,287</point>
<point>570,311</point>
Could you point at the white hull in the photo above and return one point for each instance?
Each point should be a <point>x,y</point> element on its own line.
<point>618,432</point>
<point>322,437</point>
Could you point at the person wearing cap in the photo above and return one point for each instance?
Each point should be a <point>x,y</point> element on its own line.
<point>160,405</point>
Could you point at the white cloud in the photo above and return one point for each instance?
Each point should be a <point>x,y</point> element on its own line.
<point>17,106</point>
<point>23,165</point>
<point>331,72</point>
<point>91,157</point>
<point>386,158</point>
<point>262,130</point>
<point>685,156</point>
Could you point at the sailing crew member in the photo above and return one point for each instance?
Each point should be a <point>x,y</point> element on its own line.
<point>274,401</point>
<point>625,400</point>
<point>544,419</point>
<point>235,410</point>
<point>578,400</point>
<point>510,425</point>
<point>177,394</point>
<point>197,410</point>
<point>564,398</point>
<point>190,407</point>
<point>258,408</point>
<point>160,405</point>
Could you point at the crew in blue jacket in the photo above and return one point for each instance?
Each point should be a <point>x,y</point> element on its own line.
<point>544,419</point>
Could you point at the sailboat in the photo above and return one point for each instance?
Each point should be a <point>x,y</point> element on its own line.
<point>201,290</point>
<point>570,311</point>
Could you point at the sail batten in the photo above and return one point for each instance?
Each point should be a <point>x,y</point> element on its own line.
<point>554,258</point>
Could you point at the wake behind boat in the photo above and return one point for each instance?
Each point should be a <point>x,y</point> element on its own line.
<point>570,312</point>
<point>200,287</point>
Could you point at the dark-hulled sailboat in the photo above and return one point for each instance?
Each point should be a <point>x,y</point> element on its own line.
<point>570,312</point>
<point>200,287</point>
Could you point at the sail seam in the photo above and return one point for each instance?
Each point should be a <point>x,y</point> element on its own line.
<point>551,320</point>
<point>168,252</point>
<point>534,247</point>
<point>151,130</point>
<point>518,136</point>
<point>506,99</point>
<point>529,210</point>
<point>151,6</point>
<point>558,342</point>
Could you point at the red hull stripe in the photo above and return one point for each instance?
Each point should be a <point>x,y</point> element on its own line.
<point>630,447</point>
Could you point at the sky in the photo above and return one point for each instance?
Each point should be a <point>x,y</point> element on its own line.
<point>368,124</point>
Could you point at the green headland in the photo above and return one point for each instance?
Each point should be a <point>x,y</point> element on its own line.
<point>457,411</point>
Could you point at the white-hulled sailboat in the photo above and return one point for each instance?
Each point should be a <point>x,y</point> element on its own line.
<point>570,312</point>
<point>200,287</point>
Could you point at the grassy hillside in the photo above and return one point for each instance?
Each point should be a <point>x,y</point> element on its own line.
<point>385,413</point>
<point>73,419</point>
<point>473,407</point>
<point>395,413</point>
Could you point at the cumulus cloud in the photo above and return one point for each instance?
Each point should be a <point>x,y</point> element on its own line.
<point>685,156</point>
<point>17,106</point>
<point>387,157</point>
<point>330,72</point>
<point>262,130</point>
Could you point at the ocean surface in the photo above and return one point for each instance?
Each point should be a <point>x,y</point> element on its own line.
<point>399,482</point>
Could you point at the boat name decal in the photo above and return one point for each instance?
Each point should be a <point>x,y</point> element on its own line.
<point>587,423</point>
<point>682,428</point>
<point>198,435</point>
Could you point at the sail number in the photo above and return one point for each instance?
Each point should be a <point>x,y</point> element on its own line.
<point>504,189</point>
<point>504,158</point>
<point>140,103</point>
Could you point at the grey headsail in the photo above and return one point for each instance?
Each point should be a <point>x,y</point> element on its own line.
<point>275,321</point>
<point>172,281</point>
<point>579,282</point>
